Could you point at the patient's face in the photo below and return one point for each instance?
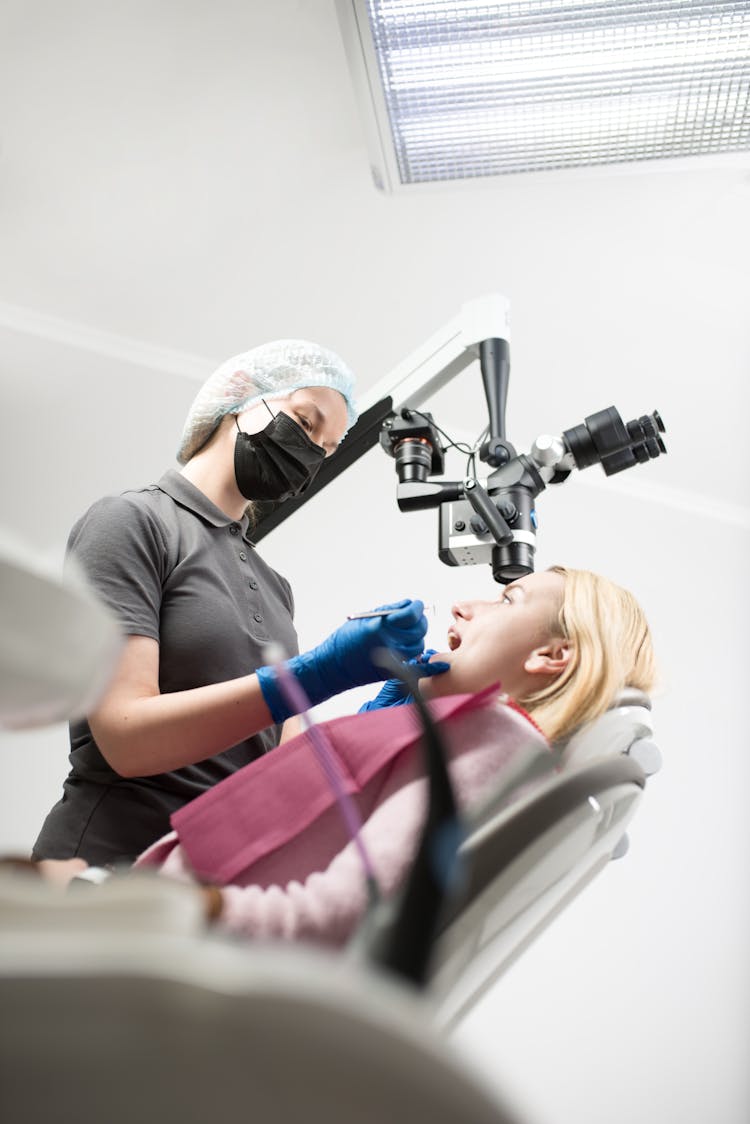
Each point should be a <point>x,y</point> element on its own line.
<point>491,641</point>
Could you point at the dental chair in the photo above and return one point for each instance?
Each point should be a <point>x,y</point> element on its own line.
<point>118,1006</point>
<point>524,863</point>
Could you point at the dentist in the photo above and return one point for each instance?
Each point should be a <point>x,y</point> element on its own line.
<point>191,701</point>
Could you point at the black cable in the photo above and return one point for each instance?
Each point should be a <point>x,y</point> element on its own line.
<point>470,450</point>
<point>405,946</point>
<point>460,445</point>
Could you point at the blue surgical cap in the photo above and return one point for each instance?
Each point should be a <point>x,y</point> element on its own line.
<point>272,370</point>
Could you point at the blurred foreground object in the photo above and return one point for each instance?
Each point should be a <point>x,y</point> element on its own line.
<point>118,1007</point>
<point>58,644</point>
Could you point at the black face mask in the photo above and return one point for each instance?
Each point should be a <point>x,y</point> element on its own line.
<point>278,462</point>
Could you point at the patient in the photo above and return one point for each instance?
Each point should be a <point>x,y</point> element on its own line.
<point>268,847</point>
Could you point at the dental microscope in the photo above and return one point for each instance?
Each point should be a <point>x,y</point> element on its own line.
<point>492,522</point>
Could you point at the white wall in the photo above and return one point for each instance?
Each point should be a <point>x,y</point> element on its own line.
<point>253,217</point>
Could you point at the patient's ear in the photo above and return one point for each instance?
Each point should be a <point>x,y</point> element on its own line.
<point>550,659</point>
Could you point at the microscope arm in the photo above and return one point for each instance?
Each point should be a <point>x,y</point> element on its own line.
<point>443,356</point>
<point>429,368</point>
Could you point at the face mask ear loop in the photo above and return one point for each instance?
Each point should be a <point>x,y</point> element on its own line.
<point>237,420</point>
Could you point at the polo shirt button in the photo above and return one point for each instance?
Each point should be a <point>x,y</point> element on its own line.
<point>253,584</point>
<point>258,618</point>
<point>234,529</point>
<point>243,556</point>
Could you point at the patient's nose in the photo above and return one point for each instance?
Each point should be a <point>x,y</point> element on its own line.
<point>463,610</point>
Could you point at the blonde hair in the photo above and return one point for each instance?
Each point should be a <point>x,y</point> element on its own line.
<point>611,648</point>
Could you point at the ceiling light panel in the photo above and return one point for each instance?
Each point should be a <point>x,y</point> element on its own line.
<point>460,90</point>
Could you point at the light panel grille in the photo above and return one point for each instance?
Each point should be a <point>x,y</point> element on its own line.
<point>485,89</point>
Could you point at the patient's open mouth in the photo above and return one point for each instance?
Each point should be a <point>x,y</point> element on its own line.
<point>454,640</point>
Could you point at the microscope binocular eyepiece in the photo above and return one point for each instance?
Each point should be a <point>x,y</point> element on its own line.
<point>604,438</point>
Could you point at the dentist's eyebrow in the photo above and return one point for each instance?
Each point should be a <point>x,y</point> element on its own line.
<point>305,402</point>
<point>315,415</point>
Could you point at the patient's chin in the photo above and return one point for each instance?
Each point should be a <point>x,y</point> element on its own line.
<point>436,686</point>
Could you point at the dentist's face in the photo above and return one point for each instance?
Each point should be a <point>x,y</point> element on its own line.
<point>513,639</point>
<point>319,410</point>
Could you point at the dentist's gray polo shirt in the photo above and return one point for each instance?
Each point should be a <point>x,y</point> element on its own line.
<point>173,567</point>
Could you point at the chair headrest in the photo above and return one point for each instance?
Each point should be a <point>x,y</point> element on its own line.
<point>626,727</point>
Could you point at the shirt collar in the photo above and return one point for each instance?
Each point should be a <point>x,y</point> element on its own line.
<point>183,492</point>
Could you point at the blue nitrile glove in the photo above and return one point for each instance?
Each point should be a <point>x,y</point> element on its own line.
<point>394,692</point>
<point>344,660</point>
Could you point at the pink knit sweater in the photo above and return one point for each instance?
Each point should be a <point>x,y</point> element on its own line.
<point>273,838</point>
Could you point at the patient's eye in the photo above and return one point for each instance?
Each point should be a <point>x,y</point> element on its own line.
<point>304,421</point>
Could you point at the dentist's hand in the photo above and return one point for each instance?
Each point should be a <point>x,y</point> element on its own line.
<point>395,693</point>
<point>344,659</point>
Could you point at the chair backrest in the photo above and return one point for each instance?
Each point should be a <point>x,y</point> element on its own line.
<point>525,865</point>
<point>627,727</point>
<point>526,861</point>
